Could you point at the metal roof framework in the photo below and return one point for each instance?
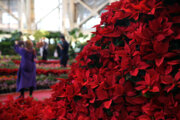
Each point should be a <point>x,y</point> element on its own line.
<point>69,13</point>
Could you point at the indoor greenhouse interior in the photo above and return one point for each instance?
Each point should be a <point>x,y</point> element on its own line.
<point>89,60</point>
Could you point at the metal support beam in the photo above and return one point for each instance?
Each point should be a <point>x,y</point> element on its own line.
<point>29,14</point>
<point>102,6</point>
<point>42,18</point>
<point>20,12</point>
<point>85,5</point>
<point>3,7</point>
<point>59,12</point>
<point>85,20</point>
<point>92,14</point>
<point>46,15</point>
<point>72,14</point>
<point>65,12</point>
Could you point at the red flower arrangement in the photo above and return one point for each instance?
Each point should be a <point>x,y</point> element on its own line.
<point>7,71</point>
<point>128,71</point>
<point>51,71</point>
<point>40,61</point>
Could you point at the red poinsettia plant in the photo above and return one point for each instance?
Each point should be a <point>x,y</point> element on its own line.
<point>128,71</point>
<point>7,71</point>
<point>40,61</point>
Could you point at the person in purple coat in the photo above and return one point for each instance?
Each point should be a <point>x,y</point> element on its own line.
<point>26,76</point>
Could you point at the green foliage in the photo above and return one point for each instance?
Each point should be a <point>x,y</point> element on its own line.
<point>81,45</point>
<point>7,48</point>
<point>39,34</point>
<point>54,35</point>
<point>4,32</point>
<point>92,35</point>
<point>7,44</point>
<point>43,77</point>
<point>12,57</point>
<point>76,35</point>
<point>51,49</point>
<point>73,31</point>
<point>16,36</point>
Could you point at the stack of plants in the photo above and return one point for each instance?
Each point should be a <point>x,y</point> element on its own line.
<point>128,71</point>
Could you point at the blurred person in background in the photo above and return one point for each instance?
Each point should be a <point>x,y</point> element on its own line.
<point>43,47</point>
<point>45,50</point>
<point>64,46</point>
<point>26,77</point>
<point>58,51</point>
<point>40,46</point>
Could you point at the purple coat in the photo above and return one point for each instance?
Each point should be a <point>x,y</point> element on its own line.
<point>27,70</point>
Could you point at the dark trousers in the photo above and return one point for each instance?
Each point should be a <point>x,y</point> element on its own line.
<point>63,60</point>
<point>30,91</point>
<point>45,53</point>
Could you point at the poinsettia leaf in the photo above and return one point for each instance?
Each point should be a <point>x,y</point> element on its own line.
<point>152,11</point>
<point>150,56</point>
<point>144,117</point>
<point>170,54</point>
<point>177,76</point>
<point>160,37</point>
<point>155,89</point>
<point>136,53</point>
<point>170,88</point>
<point>173,62</point>
<point>107,104</point>
<point>159,61</point>
<point>101,94</point>
<point>167,79</point>
<point>134,72</point>
<point>140,87</point>
<point>118,90</point>
<point>145,91</point>
<point>143,65</point>
<point>168,69</point>
<point>161,47</point>
<point>148,79</point>
<point>177,37</point>
<point>136,100</point>
<point>141,83</point>
<point>169,32</point>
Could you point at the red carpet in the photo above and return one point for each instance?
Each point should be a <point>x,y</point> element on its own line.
<point>38,94</point>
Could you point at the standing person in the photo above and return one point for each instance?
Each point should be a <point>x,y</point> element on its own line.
<point>27,70</point>
<point>58,51</point>
<point>45,51</point>
<point>63,45</point>
<point>40,46</point>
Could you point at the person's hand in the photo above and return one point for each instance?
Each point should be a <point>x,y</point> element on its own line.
<point>60,46</point>
<point>16,42</point>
